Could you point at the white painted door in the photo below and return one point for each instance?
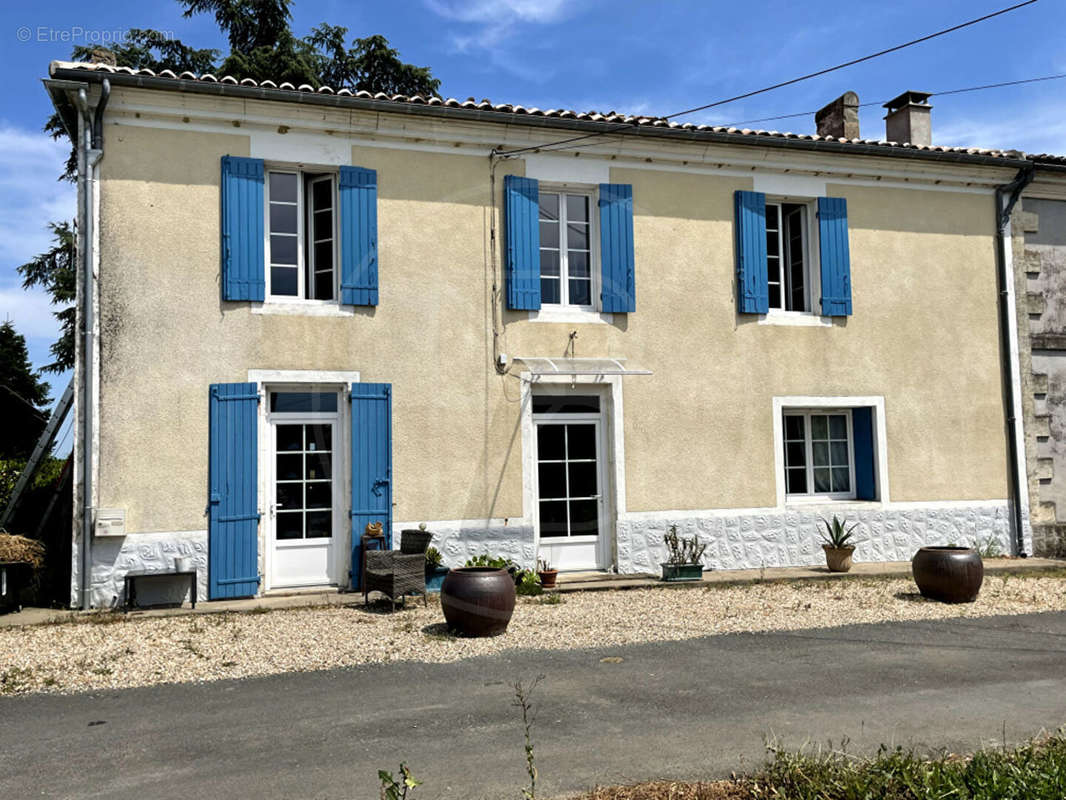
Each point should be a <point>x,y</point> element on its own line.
<point>570,496</point>
<point>304,498</point>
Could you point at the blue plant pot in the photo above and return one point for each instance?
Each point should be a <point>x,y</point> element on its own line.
<point>435,578</point>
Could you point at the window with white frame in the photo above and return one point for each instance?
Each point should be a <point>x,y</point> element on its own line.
<point>566,249</point>
<point>301,235</point>
<point>819,454</point>
<point>787,260</point>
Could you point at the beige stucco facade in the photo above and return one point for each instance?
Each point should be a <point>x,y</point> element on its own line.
<point>698,432</point>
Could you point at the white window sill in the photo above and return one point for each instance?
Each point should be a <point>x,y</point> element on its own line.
<point>562,314</point>
<point>799,319</point>
<point>303,308</point>
<point>829,502</point>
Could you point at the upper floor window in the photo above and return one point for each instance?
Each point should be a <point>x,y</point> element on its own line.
<point>792,256</point>
<point>788,275</point>
<point>301,241</point>
<point>566,249</point>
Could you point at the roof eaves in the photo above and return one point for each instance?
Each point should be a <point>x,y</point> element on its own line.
<point>485,111</point>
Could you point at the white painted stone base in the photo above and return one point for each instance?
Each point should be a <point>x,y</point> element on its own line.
<point>459,540</point>
<point>737,539</point>
<point>113,557</point>
<point>772,538</point>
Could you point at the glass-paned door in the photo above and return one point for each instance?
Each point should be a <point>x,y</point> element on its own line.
<point>570,490</point>
<point>304,496</point>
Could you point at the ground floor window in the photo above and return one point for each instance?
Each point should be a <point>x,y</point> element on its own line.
<point>819,459</point>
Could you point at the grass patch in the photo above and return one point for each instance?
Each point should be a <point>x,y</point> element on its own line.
<point>1033,771</point>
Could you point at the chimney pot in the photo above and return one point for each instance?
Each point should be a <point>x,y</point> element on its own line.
<point>909,120</point>
<point>839,119</point>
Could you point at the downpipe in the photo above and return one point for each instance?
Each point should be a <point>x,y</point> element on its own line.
<point>1007,197</point>
<point>90,151</point>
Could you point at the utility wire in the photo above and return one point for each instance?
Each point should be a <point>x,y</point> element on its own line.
<point>827,70</point>
<point>880,103</point>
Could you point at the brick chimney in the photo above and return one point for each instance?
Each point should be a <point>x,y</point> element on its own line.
<point>908,119</point>
<point>839,119</point>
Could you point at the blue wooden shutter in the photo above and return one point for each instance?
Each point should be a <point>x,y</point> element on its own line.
<point>618,292</point>
<point>233,483</point>
<point>242,229</point>
<point>359,236</point>
<point>862,432</point>
<point>836,256</point>
<point>521,209</point>
<point>371,465</point>
<point>753,292</point>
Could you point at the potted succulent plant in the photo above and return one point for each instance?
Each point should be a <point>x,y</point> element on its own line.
<point>434,571</point>
<point>838,542</point>
<point>683,557</point>
<point>546,573</point>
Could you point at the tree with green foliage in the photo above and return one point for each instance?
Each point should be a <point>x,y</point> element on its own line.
<point>23,397</point>
<point>262,46</point>
<point>54,271</point>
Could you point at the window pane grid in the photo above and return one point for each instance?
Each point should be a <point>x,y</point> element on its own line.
<point>566,249</point>
<point>303,505</point>
<point>567,508</point>
<point>817,456</point>
<point>786,256</point>
<point>284,234</point>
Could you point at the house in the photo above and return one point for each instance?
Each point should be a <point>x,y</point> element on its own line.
<point>543,333</point>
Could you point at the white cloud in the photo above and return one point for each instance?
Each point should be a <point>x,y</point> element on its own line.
<point>500,11</point>
<point>30,162</point>
<point>30,311</point>
<point>1034,131</point>
<point>490,24</point>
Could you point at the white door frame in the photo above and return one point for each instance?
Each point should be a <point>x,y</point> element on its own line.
<point>336,489</point>
<point>609,388</point>
<point>340,549</point>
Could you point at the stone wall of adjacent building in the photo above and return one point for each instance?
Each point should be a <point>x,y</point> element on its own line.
<point>1039,235</point>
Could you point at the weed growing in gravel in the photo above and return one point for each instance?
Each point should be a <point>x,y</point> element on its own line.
<point>553,599</point>
<point>190,646</point>
<point>13,679</point>
<point>258,610</point>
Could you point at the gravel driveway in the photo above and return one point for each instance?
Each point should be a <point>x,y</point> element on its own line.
<point>112,651</point>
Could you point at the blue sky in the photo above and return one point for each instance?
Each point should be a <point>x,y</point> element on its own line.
<point>636,57</point>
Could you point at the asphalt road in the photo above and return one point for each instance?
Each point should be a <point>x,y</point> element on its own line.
<point>693,709</point>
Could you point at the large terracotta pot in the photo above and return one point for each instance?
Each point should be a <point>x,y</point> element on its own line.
<point>948,574</point>
<point>478,601</point>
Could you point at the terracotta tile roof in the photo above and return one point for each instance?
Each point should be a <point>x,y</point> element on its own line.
<point>405,102</point>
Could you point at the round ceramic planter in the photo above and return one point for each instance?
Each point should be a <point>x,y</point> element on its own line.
<point>478,601</point>
<point>548,578</point>
<point>838,559</point>
<point>948,574</point>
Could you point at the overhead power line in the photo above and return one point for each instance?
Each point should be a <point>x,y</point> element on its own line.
<point>626,125</point>
<point>882,102</point>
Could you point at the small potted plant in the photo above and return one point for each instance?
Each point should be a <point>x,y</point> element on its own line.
<point>683,560</point>
<point>838,542</point>
<point>546,573</point>
<point>434,571</point>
